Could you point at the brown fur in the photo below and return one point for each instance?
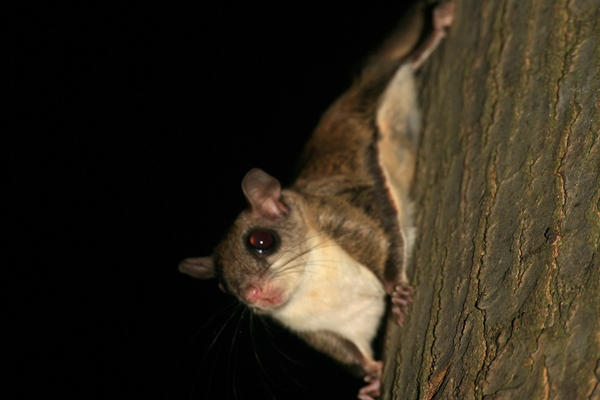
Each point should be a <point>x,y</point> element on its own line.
<point>347,215</point>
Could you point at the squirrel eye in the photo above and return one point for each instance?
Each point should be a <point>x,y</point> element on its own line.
<point>261,240</point>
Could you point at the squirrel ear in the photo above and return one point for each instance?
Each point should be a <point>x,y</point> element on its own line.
<point>199,267</point>
<point>263,193</point>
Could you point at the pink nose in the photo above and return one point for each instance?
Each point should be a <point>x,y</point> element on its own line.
<point>265,297</point>
<point>252,293</point>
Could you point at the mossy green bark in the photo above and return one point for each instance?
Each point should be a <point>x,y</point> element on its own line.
<point>507,263</point>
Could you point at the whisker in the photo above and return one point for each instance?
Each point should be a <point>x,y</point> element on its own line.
<point>282,366</point>
<point>289,249</point>
<point>286,264</point>
<point>217,313</point>
<point>235,335</point>
<point>262,368</point>
<point>216,337</point>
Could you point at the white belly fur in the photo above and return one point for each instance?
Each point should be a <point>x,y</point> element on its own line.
<point>337,294</point>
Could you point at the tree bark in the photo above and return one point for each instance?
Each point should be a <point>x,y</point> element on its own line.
<point>507,263</point>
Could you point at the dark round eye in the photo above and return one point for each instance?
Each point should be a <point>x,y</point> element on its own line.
<point>261,240</point>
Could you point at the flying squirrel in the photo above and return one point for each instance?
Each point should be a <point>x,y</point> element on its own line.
<point>321,256</point>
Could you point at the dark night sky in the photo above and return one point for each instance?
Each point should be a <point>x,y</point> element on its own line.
<point>129,131</point>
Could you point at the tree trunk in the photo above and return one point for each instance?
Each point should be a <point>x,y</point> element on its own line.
<point>506,268</point>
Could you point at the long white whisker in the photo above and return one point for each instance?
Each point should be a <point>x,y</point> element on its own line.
<point>217,335</point>
<point>235,335</point>
<point>262,368</point>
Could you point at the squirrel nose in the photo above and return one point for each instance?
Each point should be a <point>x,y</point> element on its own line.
<point>252,293</point>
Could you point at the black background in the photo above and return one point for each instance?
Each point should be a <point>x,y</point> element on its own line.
<point>129,130</point>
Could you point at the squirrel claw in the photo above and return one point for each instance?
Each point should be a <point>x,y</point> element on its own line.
<point>401,300</point>
<point>373,377</point>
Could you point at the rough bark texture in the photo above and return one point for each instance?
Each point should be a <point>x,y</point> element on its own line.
<point>507,265</point>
